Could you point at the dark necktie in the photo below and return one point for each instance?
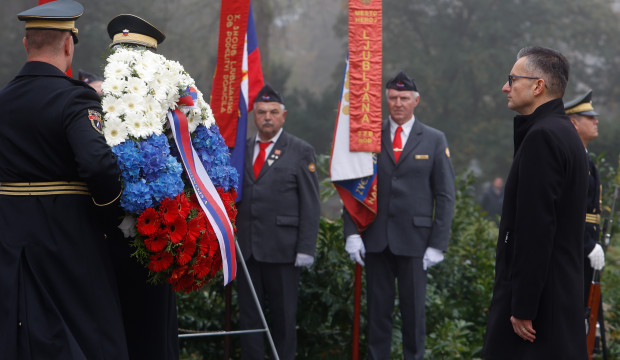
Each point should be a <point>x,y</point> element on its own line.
<point>260,158</point>
<point>397,144</point>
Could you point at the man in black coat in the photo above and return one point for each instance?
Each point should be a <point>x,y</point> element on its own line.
<point>58,295</point>
<point>415,205</point>
<point>278,224</point>
<point>537,306</point>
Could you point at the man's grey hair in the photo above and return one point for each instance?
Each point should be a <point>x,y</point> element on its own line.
<point>548,64</point>
<point>415,93</point>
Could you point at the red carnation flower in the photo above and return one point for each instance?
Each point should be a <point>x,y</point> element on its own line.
<point>157,242</point>
<point>160,261</point>
<point>169,211</point>
<point>196,226</point>
<point>183,205</point>
<point>148,222</point>
<point>177,230</point>
<point>202,267</point>
<point>186,251</point>
<point>193,202</point>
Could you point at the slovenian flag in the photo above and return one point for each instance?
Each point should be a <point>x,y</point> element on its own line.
<point>354,174</point>
<point>251,84</point>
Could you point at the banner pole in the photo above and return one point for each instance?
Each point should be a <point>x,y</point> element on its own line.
<point>357,291</point>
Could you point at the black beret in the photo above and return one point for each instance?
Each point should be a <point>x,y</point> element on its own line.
<point>582,105</point>
<point>268,94</point>
<point>55,15</point>
<point>87,77</point>
<point>401,82</point>
<point>130,29</point>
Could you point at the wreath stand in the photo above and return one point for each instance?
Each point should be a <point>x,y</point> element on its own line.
<point>258,307</point>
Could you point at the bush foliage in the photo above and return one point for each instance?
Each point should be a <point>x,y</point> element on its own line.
<point>458,295</point>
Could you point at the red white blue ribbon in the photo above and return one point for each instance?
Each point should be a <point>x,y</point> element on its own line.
<point>206,193</point>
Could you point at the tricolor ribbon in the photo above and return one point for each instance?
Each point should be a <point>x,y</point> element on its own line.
<point>206,193</point>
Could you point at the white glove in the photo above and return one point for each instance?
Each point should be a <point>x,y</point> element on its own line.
<point>355,248</point>
<point>128,226</point>
<point>304,260</point>
<point>432,257</point>
<point>597,257</point>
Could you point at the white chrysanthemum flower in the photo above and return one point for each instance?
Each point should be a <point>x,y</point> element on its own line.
<point>136,86</point>
<point>153,109</point>
<point>114,130</point>
<point>192,121</point>
<point>113,86</point>
<point>133,103</point>
<point>208,118</point>
<point>117,70</point>
<point>136,125</point>
<point>122,55</point>
<point>153,125</point>
<point>112,106</point>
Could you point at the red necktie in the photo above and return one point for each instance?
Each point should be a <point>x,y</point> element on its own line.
<point>260,158</point>
<point>397,144</point>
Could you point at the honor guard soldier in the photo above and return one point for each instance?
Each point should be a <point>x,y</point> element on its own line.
<point>582,114</point>
<point>149,310</point>
<point>58,180</point>
<point>278,224</point>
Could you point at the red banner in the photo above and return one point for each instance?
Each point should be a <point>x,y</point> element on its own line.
<point>365,63</point>
<point>225,91</point>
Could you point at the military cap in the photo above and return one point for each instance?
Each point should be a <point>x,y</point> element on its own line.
<point>55,15</point>
<point>268,94</point>
<point>582,105</point>
<point>130,29</point>
<point>401,82</point>
<point>87,77</point>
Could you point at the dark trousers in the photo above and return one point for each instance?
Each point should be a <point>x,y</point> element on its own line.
<point>382,271</point>
<point>277,288</point>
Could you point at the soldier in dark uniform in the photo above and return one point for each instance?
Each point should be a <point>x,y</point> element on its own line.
<point>58,179</point>
<point>582,115</point>
<point>149,310</point>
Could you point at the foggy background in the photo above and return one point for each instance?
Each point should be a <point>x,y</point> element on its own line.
<point>458,52</point>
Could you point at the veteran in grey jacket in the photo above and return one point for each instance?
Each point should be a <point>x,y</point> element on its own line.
<point>415,194</point>
<point>278,223</point>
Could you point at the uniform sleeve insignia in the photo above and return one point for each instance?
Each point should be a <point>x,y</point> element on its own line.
<point>312,167</point>
<point>95,120</point>
<point>448,152</point>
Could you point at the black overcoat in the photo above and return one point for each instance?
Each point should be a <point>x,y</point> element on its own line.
<point>539,265</point>
<point>58,296</point>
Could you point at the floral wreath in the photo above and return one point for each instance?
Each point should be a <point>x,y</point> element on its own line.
<point>173,237</point>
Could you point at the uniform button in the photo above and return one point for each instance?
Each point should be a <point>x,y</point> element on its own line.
<point>19,324</point>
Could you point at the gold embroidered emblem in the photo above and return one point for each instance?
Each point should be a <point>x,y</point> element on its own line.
<point>448,152</point>
<point>312,167</point>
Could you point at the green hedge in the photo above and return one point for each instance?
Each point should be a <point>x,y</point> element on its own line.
<point>458,294</point>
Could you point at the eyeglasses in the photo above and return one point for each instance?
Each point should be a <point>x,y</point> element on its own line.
<point>512,77</point>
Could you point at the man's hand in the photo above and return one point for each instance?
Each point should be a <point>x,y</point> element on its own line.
<point>304,260</point>
<point>355,248</point>
<point>432,257</point>
<point>523,328</point>
<point>597,257</point>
